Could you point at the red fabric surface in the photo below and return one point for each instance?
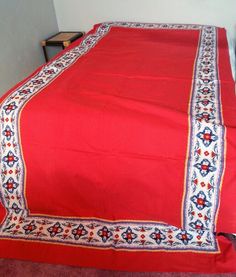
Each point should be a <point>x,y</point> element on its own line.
<point>2,212</point>
<point>108,138</point>
<point>121,260</point>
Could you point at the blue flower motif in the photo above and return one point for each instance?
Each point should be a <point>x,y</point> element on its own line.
<point>205,90</point>
<point>184,237</point>
<point>37,81</point>
<point>207,136</point>
<point>58,65</point>
<point>49,71</point>
<point>79,232</point>
<point>104,233</point>
<point>205,167</point>
<point>10,159</point>
<point>198,226</point>
<point>10,107</point>
<point>128,235</point>
<point>55,229</point>
<point>29,228</point>
<point>158,236</point>
<point>15,208</point>
<point>8,133</point>
<point>24,92</point>
<point>204,102</point>
<point>10,185</point>
<point>200,200</point>
<point>204,116</point>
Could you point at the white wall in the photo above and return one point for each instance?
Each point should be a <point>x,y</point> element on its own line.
<point>23,24</point>
<point>83,14</point>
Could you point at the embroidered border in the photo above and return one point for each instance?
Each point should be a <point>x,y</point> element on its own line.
<point>204,167</point>
<point>206,162</point>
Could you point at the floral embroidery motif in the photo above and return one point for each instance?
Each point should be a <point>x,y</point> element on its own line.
<point>10,159</point>
<point>29,228</point>
<point>158,236</point>
<point>207,135</point>
<point>15,208</point>
<point>9,108</point>
<point>198,226</point>
<point>204,168</point>
<point>200,201</point>
<point>204,117</point>
<point>24,92</point>
<point>10,185</point>
<point>55,229</point>
<point>8,133</point>
<point>184,237</point>
<point>128,235</point>
<point>79,232</point>
<point>104,233</point>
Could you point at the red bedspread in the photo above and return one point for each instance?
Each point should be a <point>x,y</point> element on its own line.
<point>120,153</point>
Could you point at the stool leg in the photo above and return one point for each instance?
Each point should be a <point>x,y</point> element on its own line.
<point>45,54</point>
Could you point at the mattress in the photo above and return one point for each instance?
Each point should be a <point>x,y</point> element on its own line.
<point>120,153</point>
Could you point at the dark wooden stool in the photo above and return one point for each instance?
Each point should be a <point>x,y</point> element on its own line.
<point>63,39</point>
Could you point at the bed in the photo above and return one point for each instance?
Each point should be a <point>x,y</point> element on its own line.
<point>120,153</point>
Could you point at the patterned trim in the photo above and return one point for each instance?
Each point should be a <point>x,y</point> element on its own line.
<point>204,170</point>
<point>206,162</point>
<point>105,234</point>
